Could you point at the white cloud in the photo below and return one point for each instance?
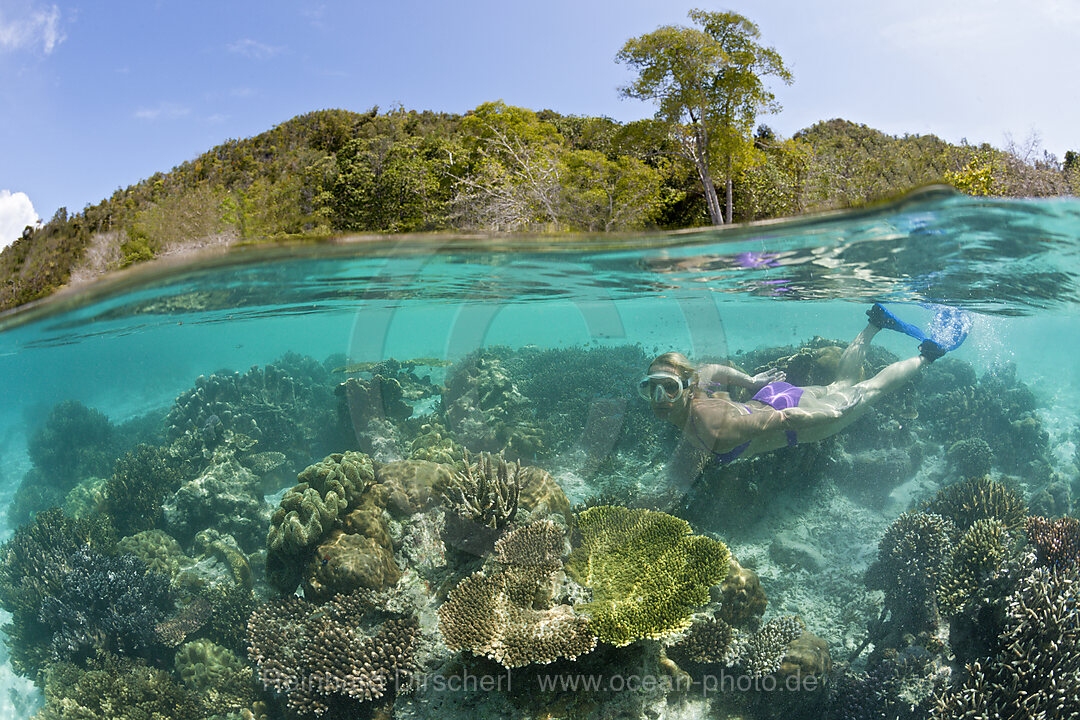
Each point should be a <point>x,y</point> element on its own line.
<point>254,49</point>
<point>163,111</point>
<point>35,28</point>
<point>16,212</point>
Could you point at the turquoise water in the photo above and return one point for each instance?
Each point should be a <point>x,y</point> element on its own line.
<point>534,349</point>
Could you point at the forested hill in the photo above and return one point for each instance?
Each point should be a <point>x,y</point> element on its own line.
<point>496,168</point>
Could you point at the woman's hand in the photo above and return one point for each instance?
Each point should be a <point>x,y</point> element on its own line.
<point>769,376</point>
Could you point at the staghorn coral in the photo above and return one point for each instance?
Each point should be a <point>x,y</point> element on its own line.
<point>1037,672</point>
<point>486,493</point>
<point>978,498</point>
<point>646,569</point>
<point>331,655</point>
<point>1056,542</point>
<point>912,556</point>
<point>978,555</point>
<point>105,603</point>
<point>116,689</point>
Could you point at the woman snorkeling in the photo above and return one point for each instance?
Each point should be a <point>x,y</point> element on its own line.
<point>779,414</point>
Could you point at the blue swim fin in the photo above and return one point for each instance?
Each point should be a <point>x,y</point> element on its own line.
<point>881,317</point>
<point>948,329</point>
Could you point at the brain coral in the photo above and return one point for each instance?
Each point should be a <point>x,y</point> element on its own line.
<point>646,569</point>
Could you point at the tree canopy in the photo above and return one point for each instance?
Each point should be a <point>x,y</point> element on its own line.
<point>709,87</point>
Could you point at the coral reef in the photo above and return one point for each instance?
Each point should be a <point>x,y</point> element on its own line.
<point>742,599</point>
<point>378,398</point>
<point>978,555</point>
<point>86,498</point>
<point>345,562</point>
<point>506,614</point>
<point>74,443</point>
<point>978,498</point>
<point>216,675</point>
<point>433,443</point>
<point>116,689</point>
<point>1056,542</point>
<point>999,408</point>
<point>410,486</point>
<point>332,655</point>
<point>912,557</point>
<point>32,565</point>
<point>970,458</point>
<point>540,495</point>
<point>487,412</point>
<point>310,510</point>
<point>226,497</point>
<point>486,492</point>
<point>805,656</point>
<point>767,648</point>
<point>709,641</point>
<point>1035,675</point>
<point>158,550</point>
<point>141,481</point>
<point>105,603</point>
<point>287,406</point>
<point>646,569</point>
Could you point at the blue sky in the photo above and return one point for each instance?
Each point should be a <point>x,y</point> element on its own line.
<point>98,95</point>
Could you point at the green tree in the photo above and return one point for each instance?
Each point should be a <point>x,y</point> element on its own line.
<point>709,85</point>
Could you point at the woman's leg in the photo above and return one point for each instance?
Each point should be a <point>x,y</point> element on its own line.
<point>892,377</point>
<point>849,371</point>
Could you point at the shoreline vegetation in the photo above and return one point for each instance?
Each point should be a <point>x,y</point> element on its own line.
<point>703,160</point>
<point>497,169</point>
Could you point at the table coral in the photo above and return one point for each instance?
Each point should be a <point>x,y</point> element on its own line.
<point>506,614</point>
<point>646,569</point>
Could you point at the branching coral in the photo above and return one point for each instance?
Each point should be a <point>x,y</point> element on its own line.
<point>1037,673</point>
<point>912,557</point>
<point>116,689</point>
<point>978,498</point>
<point>646,569</point>
<point>323,656</point>
<point>32,565</point>
<point>486,492</point>
<point>105,603</point>
<point>711,641</point>
<point>978,555</point>
<point>1057,542</point>
<point>141,481</point>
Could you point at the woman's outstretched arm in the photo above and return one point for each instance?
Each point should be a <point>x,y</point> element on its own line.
<point>727,375</point>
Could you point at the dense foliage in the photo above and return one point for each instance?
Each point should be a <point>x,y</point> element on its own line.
<point>497,168</point>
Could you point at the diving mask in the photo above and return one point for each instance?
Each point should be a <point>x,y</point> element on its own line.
<point>662,387</point>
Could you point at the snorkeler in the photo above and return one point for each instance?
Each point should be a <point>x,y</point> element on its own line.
<point>780,414</point>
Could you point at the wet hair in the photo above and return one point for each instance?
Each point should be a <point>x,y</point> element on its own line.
<point>685,369</point>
